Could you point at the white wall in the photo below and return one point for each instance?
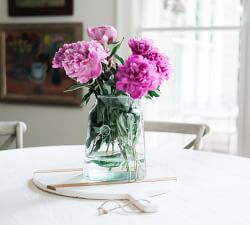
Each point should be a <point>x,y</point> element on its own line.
<point>56,125</point>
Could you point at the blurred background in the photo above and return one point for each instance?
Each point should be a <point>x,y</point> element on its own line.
<point>207,42</point>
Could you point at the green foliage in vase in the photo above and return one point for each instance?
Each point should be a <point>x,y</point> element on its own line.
<point>122,122</point>
<point>115,122</point>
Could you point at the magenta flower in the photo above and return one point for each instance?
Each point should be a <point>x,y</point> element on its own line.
<point>137,76</point>
<point>59,57</point>
<point>140,46</point>
<point>81,60</point>
<point>102,34</point>
<point>161,62</point>
<point>144,71</point>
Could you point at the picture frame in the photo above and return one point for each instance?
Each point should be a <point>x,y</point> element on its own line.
<point>26,73</point>
<point>40,7</point>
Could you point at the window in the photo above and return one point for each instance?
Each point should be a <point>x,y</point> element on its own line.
<point>202,39</point>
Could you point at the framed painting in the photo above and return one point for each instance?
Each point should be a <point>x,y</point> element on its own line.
<point>26,53</point>
<point>40,7</point>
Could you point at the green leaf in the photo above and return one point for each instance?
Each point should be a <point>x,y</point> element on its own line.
<point>100,113</point>
<point>97,145</point>
<point>114,70</point>
<point>114,43</point>
<point>106,164</point>
<point>104,66</point>
<point>116,47</point>
<point>106,76</point>
<point>75,87</point>
<point>120,59</point>
<point>96,129</point>
<point>86,97</point>
<point>107,89</point>
<point>153,93</point>
<point>130,120</point>
<point>121,123</point>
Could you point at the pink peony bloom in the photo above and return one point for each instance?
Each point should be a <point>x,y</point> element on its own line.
<point>102,34</point>
<point>137,76</point>
<point>144,47</point>
<point>140,46</point>
<point>162,63</point>
<point>59,57</point>
<point>81,60</point>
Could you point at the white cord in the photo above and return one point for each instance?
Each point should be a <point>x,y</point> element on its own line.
<point>103,211</point>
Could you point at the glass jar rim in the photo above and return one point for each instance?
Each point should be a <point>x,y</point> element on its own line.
<point>113,96</point>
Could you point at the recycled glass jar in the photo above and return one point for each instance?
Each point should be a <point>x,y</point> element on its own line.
<point>115,140</point>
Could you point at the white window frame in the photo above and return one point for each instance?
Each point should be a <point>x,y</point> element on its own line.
<point>127,23</point>
<point>244,85</point>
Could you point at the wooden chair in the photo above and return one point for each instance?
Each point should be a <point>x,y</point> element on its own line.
<point>199,130</point>
<point>14,130</point>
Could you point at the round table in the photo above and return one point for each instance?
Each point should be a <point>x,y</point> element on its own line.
<point>211,189</point>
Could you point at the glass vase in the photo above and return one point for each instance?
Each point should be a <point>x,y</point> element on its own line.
<point>115,140</point>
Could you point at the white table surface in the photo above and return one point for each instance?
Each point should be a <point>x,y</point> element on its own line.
<point>211,189</point>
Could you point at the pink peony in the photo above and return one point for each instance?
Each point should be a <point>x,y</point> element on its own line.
<point>161,62</point>
<point>81,60</point>
<point>102,34</point>
<point>140,46</point>
<point>137,76</point>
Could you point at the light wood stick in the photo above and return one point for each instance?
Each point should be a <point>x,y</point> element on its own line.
<point>56,186</point>
<point>59,170</point>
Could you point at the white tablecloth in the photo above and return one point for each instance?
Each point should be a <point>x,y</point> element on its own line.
<point>212,189</point>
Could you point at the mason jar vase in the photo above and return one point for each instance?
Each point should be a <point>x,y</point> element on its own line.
<point>115,140</point>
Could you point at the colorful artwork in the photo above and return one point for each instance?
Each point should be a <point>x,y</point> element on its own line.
<point>27,55</point>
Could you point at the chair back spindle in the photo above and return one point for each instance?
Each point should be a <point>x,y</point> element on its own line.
<point>13,130</point>
<point>199,130</point>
